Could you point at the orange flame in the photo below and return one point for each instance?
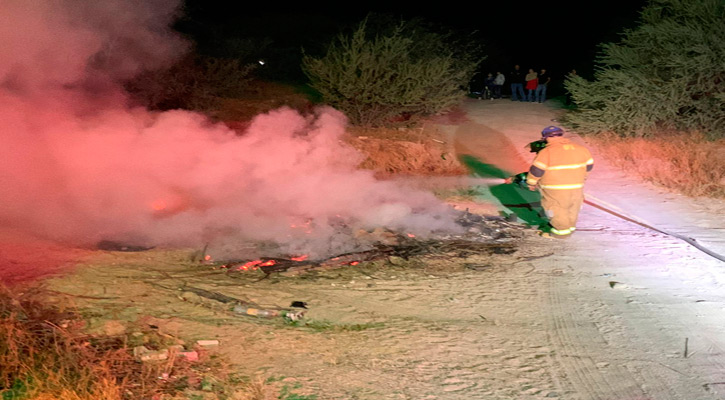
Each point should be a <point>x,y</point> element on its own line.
<point>355,263</point>
<point>255,265</point>
<point>410,235</point>
<point>300,258</point>
<point>247,266</point>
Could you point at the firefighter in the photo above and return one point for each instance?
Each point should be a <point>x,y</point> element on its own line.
<point>559,170</point>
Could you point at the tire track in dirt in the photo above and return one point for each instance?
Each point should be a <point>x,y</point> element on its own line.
<point>661,306</point>
<point>620,323</point>
<point>658,311</point>
<point>581,351</point>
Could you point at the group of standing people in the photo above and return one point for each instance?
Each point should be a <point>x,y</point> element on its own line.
<point>494,85</point>
<point>534,83</point>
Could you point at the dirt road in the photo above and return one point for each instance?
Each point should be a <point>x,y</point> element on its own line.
<point>618,312</point>
<point>620,301</point>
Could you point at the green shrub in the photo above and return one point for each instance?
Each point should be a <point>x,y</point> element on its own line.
<point>666,74</point>
<point>398,73</point>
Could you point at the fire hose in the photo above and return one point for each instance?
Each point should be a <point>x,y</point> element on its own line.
<point>609,208</point>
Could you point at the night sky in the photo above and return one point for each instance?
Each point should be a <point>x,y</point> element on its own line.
<point>558,35</point>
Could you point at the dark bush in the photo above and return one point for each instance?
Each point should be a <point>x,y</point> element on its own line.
<point>666,74</point>
<point>397,74</point>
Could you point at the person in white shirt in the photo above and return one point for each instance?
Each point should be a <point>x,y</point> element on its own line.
<point>498,84</point>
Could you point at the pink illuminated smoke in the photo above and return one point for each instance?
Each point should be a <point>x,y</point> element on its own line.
<point>77,163</point>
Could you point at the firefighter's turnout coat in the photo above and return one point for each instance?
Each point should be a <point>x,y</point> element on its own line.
<point>560,170</point>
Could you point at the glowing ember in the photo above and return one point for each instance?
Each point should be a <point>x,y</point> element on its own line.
<point>250,265</point>
<point>354,263</point>
<point>207,257</point>
<point>410,235</point>
<point>300,258</point>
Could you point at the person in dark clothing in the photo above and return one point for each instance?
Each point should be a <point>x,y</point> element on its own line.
<point>517,84</point>
<point>489,89</point>
<point>544,80</point>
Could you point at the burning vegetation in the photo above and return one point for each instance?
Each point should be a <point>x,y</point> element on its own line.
<point>477,235</point>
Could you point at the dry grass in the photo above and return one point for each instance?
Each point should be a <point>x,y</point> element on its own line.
<point>685,163</point>
<point>45,354</point>
<point>405,151</point>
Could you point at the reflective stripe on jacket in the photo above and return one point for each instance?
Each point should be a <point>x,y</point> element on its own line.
<point>560,165</point>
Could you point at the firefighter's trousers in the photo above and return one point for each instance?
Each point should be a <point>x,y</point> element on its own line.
<point>562,208</point>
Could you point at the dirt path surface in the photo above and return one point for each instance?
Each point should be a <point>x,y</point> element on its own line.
<point>626,298</point>
<point>605,315</point>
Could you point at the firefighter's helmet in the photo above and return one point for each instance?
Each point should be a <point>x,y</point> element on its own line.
<point>551,131</point>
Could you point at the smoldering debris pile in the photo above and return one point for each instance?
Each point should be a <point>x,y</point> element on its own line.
<point>479,235</point>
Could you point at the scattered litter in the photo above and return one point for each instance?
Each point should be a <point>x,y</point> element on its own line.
<point>298,304</point>
<point>144,354</point>
<point>619,285</point>
<point>190,356</point>
<point>240,309</point>
<point>247,308</point>
<point>207,343</point>
<point>256,312</point>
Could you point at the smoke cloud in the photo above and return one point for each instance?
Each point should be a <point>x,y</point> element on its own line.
<point>78,163</point>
